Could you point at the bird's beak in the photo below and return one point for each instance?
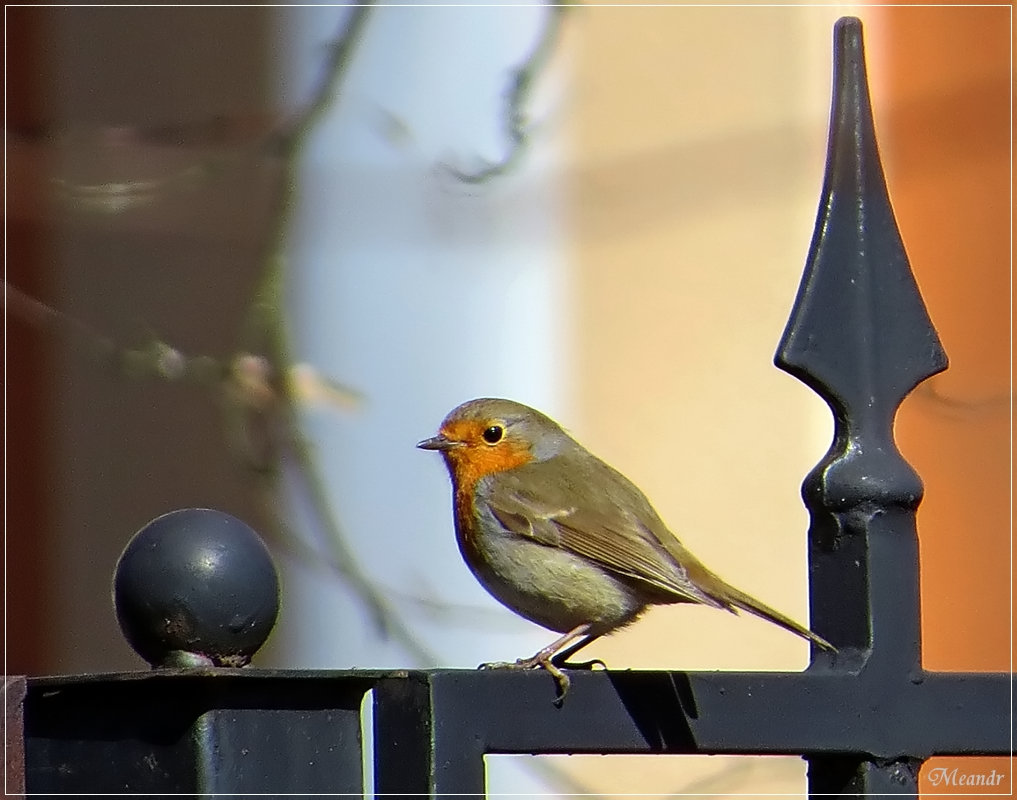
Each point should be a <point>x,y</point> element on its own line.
<point>439,442</point>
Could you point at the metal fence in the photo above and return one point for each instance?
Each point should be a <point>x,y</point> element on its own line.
<point>864,718</point>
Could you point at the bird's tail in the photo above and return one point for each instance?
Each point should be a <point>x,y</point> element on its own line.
<point>734,599</point>
<point>739,599</point>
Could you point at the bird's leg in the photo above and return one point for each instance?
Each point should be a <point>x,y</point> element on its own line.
<point>545,658</point>
<point>562,658</point>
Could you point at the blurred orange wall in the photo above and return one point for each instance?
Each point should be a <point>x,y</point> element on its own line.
<point>945,138</point>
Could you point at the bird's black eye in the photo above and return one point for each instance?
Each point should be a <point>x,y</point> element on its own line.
<point>493,434</point>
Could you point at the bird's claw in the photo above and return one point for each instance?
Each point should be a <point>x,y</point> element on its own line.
<point>561,680</point>
<point>501,665</point>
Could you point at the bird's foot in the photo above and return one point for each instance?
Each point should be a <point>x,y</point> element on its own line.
<point>520,664</point>
<point>542,661</point>
<point>552,658</point>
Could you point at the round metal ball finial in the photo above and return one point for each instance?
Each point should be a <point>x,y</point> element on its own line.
<point>196,587</point>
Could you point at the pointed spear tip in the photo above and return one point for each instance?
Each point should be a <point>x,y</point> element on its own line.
<point>848,26</point>
<point>859,327</point>
<point>851,84</point>
<point>849,41</point>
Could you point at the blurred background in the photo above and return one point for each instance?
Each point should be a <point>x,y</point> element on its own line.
<point>255,254</point>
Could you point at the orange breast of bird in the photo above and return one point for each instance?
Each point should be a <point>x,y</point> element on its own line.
<point>469,464</point>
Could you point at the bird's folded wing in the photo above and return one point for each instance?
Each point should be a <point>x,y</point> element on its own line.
<point>602,533</point>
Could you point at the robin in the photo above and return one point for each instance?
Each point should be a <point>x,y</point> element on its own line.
<point>562,538</point>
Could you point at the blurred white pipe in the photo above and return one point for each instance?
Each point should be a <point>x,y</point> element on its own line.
<point>420,292</point>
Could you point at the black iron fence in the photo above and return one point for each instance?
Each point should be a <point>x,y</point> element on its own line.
<point>864,718</point>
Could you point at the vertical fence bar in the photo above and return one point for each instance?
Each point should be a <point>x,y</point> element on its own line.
<point>860,336</point>
<point>422,745</point>
<point>403,731</point>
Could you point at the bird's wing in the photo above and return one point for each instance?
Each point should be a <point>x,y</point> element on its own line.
<point>535,501</point>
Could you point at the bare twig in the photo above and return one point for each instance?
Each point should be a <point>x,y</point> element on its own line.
<point>268,322</point>
<point>289,139</point>
<point>515,120</point>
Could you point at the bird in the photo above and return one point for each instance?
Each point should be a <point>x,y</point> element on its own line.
<point>562,538</point>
